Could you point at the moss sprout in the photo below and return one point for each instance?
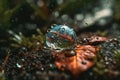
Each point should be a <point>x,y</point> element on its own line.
<point>35,41</point>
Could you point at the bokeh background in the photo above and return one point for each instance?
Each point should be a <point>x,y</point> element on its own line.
<point>27,15</point>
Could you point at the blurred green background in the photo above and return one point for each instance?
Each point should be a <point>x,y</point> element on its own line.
<point>27,15</point>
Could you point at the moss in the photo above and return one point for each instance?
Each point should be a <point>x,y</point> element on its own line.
<point>33,42</point>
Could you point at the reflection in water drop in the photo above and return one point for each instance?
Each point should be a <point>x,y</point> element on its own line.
<point>60,36</point>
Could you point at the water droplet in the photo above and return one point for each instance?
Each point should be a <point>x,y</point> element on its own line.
<point>18,65</point>
<point>73,52</point>
<point>60,36</point>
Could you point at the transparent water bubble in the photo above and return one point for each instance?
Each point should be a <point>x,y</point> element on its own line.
<point>60,37</point>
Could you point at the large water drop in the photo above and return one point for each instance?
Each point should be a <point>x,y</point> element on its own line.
<point>60,37</point>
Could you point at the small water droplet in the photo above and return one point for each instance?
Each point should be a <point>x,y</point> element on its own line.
<point>73,52</point>
<point>18,65</point>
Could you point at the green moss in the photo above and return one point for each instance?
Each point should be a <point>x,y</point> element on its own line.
<point>35,41</point>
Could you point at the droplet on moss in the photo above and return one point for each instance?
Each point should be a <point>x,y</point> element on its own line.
<point>60,36</point>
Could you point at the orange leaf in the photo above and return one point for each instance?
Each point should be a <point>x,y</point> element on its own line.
<point>81,61</point>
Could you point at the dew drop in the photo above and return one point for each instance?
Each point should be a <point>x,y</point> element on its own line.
<point>18,65</point>
<point>73,52</point>
<point>60,36</point>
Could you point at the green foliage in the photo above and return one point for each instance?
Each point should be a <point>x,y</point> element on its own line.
<point>35,41</point>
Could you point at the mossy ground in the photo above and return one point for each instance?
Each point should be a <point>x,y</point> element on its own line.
<point>38,64</point>
<point>22,56</point>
